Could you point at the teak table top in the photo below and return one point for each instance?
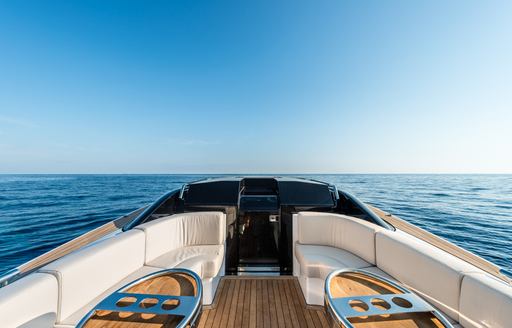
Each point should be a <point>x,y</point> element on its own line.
<point>175,284</point>
<point>357,284</point>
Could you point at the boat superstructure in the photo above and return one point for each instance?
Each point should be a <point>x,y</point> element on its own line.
<point>263,248</point>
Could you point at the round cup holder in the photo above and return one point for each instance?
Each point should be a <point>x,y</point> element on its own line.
<point>126,301</point>
<point>380,304</point>
<point>170,304</point>
<point>148,303</point>
<point>358,305</point>
<point>402,302</point>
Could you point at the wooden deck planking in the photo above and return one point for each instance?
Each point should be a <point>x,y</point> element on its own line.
<point>302,300</point>
<point>301,318</point>
<point>293,311</point>
<point>232,307</point>
<point>265,302</point>
<point>239,307</point>
<point>271,304</point>
<point>245,315</point>
<point>252,310</point>
<point>259,314</point>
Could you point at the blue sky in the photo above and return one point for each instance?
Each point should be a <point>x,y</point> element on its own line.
<point>255,87</point>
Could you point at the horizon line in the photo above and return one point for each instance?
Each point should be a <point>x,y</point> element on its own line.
<point>268,174</point>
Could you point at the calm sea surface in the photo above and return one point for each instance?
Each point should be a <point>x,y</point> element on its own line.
<point>40,212</point>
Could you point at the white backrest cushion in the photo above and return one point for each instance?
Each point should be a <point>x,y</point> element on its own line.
<point>428,270</point>
<point>184,229</point>
<point>162,236</point>
<point>204,228</point>
<point>30,302</point>
<point>485,302</point>
<point>336,230</point>
<point>316,228</point>
<point>90,271</point>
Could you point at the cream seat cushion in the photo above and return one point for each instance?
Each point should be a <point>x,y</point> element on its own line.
<point>318,261</point>
<point>336,230</point>
<point>428,270</point>
<point>73,319</point>
<point>379,272</point>
<point>204,260</point>
<point>180,230</point>
<point>485,302</point>
<point>30,302</point>
<point>91,271</point>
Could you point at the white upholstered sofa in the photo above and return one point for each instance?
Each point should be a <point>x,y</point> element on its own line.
<point>468,296</point>
<point>62,292</point>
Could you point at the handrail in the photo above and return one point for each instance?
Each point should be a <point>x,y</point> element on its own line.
<point>441,243</point>
<point>366,209</point>
<point>141,216</point>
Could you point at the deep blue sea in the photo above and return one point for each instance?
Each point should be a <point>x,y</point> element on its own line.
<point>40,212</point>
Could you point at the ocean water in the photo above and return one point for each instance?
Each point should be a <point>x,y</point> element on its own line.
<point>40,212</point>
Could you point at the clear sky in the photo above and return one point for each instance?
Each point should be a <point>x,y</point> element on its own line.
<point>255,86</point>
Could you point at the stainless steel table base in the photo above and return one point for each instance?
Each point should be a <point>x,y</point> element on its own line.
<point>342,309</point>
<point>187,307</point>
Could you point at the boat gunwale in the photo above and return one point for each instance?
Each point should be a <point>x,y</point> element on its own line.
<point>127,221</point>
<point>442,244</point>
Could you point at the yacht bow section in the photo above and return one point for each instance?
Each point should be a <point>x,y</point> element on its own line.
<point>259,226</point>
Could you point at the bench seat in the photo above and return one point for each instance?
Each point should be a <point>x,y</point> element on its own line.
<point>205,260</point>
<point>463,293</point>
<point>31,302</point>
<point>485,302</point>
<point>73,319</point>
<point>193,241</point>
<point>318,261</point>
<point>431,272</point>
<point>327,241</point>
<point>89,273</point>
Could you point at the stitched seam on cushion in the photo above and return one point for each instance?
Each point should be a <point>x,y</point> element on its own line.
<point>145,244</point>
<point>376,255</point>
<point>464,274</point>
<point>58,276</point>
<point>375,247</point>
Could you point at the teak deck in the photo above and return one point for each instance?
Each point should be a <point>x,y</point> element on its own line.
<point>261,302</point>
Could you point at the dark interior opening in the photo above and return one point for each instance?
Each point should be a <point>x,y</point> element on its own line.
<point>258,239</point>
